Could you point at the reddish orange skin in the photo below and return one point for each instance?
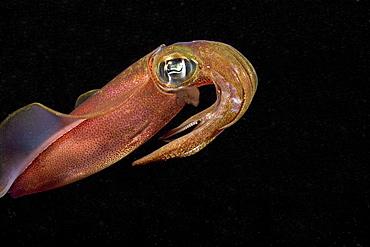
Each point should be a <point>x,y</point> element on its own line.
<point>99,142</point>
<point>134,106</point>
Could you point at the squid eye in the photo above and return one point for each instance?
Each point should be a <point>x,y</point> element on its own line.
<point>175,71</point>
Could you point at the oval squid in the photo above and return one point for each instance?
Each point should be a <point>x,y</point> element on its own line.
<point>42,149</point>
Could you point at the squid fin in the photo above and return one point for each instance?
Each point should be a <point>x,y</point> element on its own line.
<point>83,97</point>
<point>25,134</point>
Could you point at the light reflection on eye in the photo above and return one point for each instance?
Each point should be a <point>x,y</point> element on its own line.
<point>175,71</point>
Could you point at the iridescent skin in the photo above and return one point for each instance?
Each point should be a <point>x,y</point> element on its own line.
<point>123,115</point>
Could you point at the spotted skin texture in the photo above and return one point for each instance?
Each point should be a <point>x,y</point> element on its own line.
<point>132,108</point>
<point>96,141</point>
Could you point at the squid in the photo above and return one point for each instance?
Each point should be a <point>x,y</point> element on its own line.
<point>42,149</point>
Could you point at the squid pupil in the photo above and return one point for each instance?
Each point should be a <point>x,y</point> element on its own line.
<point>174,65</point>
<point>176,71</point>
